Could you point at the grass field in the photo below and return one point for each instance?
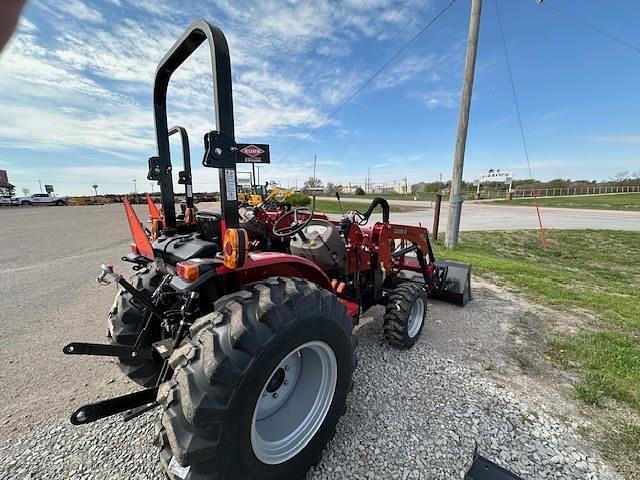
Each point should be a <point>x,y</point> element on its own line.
<point>388,196</point>
<point>618,201</point>
<point>586,271</point>
<point>330,206</point>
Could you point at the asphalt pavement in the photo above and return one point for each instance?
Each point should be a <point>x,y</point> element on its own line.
<point>485,216</point>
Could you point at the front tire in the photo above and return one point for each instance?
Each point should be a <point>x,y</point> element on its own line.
<point>25,202</point>
<point>405,314</point>
<point>258,392</point>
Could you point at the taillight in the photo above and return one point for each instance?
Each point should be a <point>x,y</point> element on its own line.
<point>235,247</point>
<point>188,271</point>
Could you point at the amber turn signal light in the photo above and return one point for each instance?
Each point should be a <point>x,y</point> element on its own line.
<point>235,247</point>
<point>188,271</point>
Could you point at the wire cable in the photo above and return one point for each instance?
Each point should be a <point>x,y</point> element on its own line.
<point>592,26</point>
<point>370,78</point>
<point>517,108</point>
<point>513,87</point>
<point>362,60</point>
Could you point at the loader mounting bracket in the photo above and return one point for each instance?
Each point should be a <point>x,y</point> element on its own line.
<point>157,170</point>
<point>219,150</point>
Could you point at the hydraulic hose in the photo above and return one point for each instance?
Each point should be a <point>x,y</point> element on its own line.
<point>378,201</point>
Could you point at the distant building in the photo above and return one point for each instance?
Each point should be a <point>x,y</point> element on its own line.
<point>349,189</point>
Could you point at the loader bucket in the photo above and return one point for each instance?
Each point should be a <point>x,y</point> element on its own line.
<point>456,286</point>
<point>484,469</point>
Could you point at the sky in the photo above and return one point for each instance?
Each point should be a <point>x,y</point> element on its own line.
<point>76,90</point>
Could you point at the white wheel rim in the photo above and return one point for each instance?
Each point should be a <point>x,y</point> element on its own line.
<point>416,317</point>
<point>294,402</point>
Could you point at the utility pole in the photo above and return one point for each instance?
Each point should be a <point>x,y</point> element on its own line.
<point>314,171</point>
<point>152,190</point>
<point>368,180</point>
<point>135,187</point>
<point>253,178</point>
<point>40,182</point>
<point>456,194</point>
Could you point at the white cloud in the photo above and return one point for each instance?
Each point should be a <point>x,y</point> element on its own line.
<point>78,10</point>
<point>26,25</point>
<point>439,99</point>
<point>405,70</point>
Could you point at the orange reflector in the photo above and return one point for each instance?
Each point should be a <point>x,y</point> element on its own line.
<point>188,271</point>
<point>154,213</point>
<point>189,216</point>
<point>235,247</point>
<point>156,226</point>
<point>137,231</point>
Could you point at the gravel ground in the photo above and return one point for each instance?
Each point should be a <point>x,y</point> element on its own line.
<point>412,415</point>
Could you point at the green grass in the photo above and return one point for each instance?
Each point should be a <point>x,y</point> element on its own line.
<point>618,201</point>
<point>331,206</point>
<point>590,272</point>
<point>388,196</point>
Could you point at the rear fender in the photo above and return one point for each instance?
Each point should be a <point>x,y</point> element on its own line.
<point>262,265</point>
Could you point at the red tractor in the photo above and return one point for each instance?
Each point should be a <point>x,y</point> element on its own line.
<point>241,329</point>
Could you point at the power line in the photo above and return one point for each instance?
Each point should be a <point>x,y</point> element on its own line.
<point>371,78</point>
<point>592,26</point>
<point>513,87</point>
<point>360,61</point>
<point>517,107</point>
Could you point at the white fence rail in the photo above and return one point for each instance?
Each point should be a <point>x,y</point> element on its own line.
<point>555,192</point>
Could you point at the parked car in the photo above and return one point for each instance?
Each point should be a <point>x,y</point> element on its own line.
<point>43,199</point>
<point>8,201</point>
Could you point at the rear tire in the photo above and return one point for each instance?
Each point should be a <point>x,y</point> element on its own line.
<point>25,202</point>
<point>405,314</point>
<point>226,382</point>
<point>59,203</point>
<point>125,321</point>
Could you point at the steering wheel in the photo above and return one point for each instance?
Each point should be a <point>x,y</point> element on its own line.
<point>282,227</point>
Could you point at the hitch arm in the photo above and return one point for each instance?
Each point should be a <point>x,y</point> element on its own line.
<point>107,270</point>
<point>121,351</point>
<point>105,408</point>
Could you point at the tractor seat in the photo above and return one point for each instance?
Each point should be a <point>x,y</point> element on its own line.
<point>209,225</point>
<point>184,247</point>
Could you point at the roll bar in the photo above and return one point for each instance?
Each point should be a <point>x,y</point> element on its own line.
<point>184,177</point>
<point>160,166</point>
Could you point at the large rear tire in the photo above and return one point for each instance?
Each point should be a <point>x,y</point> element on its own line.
<point>126,320</point>
<point>258,392</point>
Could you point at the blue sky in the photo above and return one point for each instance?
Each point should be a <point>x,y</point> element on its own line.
<point>76,84</point>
